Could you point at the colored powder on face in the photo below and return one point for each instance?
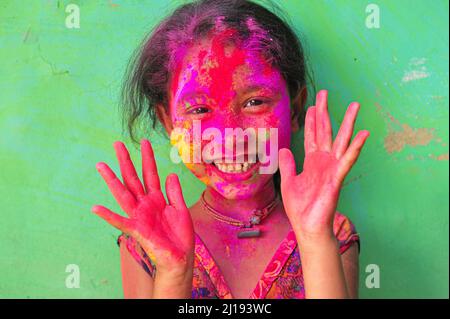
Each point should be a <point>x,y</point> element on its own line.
<point>220,70</point>
<point>223,75</point>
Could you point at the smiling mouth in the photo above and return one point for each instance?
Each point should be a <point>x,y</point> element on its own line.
<point>235,168</point>
<point>245,165</point>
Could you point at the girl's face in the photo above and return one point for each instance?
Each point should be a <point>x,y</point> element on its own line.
<point>221,87</point>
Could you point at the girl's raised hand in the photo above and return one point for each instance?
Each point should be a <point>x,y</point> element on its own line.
<point>311,198</point>
<point>164,230</point>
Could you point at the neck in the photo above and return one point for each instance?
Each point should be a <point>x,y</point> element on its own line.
<point>240,209</point>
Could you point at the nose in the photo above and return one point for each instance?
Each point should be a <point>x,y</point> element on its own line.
<point>237,138</point>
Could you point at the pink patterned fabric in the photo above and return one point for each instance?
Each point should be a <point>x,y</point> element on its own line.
<point>282,278</point>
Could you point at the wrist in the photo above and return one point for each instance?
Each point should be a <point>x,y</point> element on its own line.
<point>175,274</point>
<point>314,241</point>
<point>173,284</point>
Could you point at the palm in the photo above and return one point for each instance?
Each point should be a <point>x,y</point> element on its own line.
<point>311,197</point>
<point>314,184</point>
<point>159,230</point>
<point>164,230</point>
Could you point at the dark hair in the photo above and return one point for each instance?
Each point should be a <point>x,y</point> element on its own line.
<point>149,70</point>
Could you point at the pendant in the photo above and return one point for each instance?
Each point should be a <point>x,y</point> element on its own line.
<point>249,232</point>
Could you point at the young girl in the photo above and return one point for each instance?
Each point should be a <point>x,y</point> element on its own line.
<point>253,233</point>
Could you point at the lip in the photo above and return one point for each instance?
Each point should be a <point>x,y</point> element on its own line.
<point>234,158</point>
<point>235,177</point>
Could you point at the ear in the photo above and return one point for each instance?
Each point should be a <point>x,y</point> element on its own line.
<point>297,108</point>
<point>164,117</point>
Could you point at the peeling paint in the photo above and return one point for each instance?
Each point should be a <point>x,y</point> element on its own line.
<point>401,134</point>
<point>113,5</point>
<point>442,157</point>
<point>395,141</point>
<point>417,70</point>
<point>415,75</point>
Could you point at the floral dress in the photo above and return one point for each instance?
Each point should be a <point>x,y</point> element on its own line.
<point>282,278</point>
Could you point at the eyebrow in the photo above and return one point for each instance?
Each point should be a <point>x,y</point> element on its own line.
<point>253,88</point>
<point>188,94</point>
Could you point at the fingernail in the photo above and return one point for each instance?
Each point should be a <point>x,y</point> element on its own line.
<point>364,133</point>
<point>283,150</point>
<point>117,144</point>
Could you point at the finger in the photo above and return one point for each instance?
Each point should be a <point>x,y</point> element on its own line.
<point>115,220</point>
<point>123,197</point>
<point>346,130</point>
<point>174,192</point>
<point>352,154</point>
<point>129,175</point>
<point>181,226</point>
<point>286,164</point>
<point>324,134</point>
<point>149,170</point>
<point>310,130</point>
<point>177,213</point>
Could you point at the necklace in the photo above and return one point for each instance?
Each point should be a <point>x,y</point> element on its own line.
<point>247,229</point>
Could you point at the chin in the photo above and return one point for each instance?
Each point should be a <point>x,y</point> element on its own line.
<point>242,189</point>
<point>232,186</point>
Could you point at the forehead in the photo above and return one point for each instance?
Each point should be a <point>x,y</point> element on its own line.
<point>216,63</point>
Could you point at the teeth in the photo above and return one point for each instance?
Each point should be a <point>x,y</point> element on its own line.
<point>234,168</point>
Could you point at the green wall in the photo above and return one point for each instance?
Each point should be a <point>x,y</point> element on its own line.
<point>59,117</point>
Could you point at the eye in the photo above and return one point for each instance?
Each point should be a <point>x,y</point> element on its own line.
<point>198,110</point>
<point>254,102</point>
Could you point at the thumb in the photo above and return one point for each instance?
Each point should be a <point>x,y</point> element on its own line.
<point>121,223</point>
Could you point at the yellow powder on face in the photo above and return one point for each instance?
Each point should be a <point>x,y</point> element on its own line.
<point>186,150</point>
<point>205,180</point>
<point>204,78</point>
<point>240,76</point>
<point>183,145</point>
<point>180,138</point>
